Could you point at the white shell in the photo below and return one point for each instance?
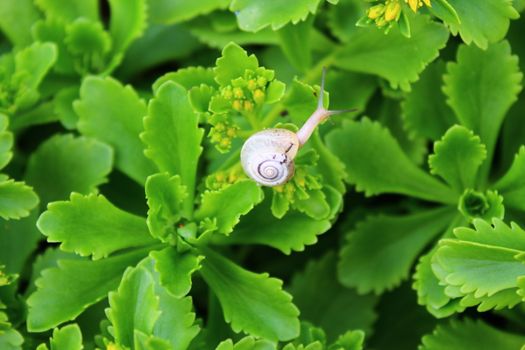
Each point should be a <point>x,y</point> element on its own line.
<point>267,156</point>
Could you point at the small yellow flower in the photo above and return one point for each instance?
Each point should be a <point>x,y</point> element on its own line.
<point>261,81</point>
<point>252,85</point>
<point>231,132</point>
<point>415,4</point>
<point>392,11</point>
<point>258,96</point>
<point>248,106</point>
<point>219,127</point>
<point>376,11</point>
<point>237,105</point>
<point>237,92</point>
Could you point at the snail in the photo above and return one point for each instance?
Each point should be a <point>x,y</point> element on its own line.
<point>268,155</point>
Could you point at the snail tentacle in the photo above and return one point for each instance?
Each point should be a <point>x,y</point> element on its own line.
<point>268,156</point>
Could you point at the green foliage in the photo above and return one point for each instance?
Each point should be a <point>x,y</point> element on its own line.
<point>277,317</point>
<point>113,113</point>
<point>90,237</point>
<point>171,110</point>
<point>127,221</point>
<point>469,333</point>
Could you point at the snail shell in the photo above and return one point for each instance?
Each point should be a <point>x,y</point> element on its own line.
<point>267,156</point>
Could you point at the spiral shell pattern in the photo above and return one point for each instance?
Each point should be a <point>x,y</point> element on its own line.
<point>267,156</point>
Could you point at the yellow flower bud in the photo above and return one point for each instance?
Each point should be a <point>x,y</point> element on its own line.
<point>413,4</point>
<point>231,132</point>
<point>279,189</point>
<point>219,177</point>
<point>376,11</point>
<point>225,143</point>
<point>232,177</point>
<point>392,11</point>
<point>237,92</point>
<point>219,127</point>
<point>252,85</point>
<point>427,2</point>
<point>258,96</point>
<point>227,94</point>
<point>237,105</point>
<point>248,106</point>
<point>261,81</point>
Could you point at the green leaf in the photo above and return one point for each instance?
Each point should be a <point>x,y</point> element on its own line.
<point>232,64</point>
<point>371,51</point>
<point>176,323</point>
<point>16,199</point>
<point>87,282</point>
<point>227,205</point>
<point>251,302</point>
<point>339,82</point>
<point>512,184</point>
<point>470,334</point>
<point>324,309</point>
<point>175,269</point>
<point>430,292</point>
<point>473,204</point>
<point>70,10</point>
<point>170,12</point>
<point>16,18</point>
<point>481,87</point>
<point>295,43</point>
<point>80,163</point>
<point>291,233</point>
<point>173,137</point>
<point>11,339</point>
<point>156,47</point>
<point>330,167</point>
<point>187,77</point>
<point>165,196</point>
<point>67,338</point>
<point>376,164</point>
<point>18,241</point>
<point>54,30</point>
<point>381,250</point>
<point>63,107</point>
<point>482,262</point>
<point>127,22</point>
<point>482,23</point>
<point>31,65</point>
<point>113,113</point>
<point>351,340</point>
<point>342,19</point>
<point>401,322</point>
<point>254,15</point>
<point>457,157</point>
<point>105,230</point>
<point>425,112</point>
<point>134,306</point>
<point>6,141</point>
<point>246,343</point>
<point>142,341</point>
<point>86,37</point>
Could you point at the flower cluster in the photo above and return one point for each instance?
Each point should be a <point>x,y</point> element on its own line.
<point>222,132</point>
<point>389,11</point>
<point>223,178</point>
<point>246,92</point>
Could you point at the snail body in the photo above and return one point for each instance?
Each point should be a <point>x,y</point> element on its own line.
<point>268,155</point>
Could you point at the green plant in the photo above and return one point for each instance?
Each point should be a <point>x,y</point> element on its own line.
<point>127,221</point>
